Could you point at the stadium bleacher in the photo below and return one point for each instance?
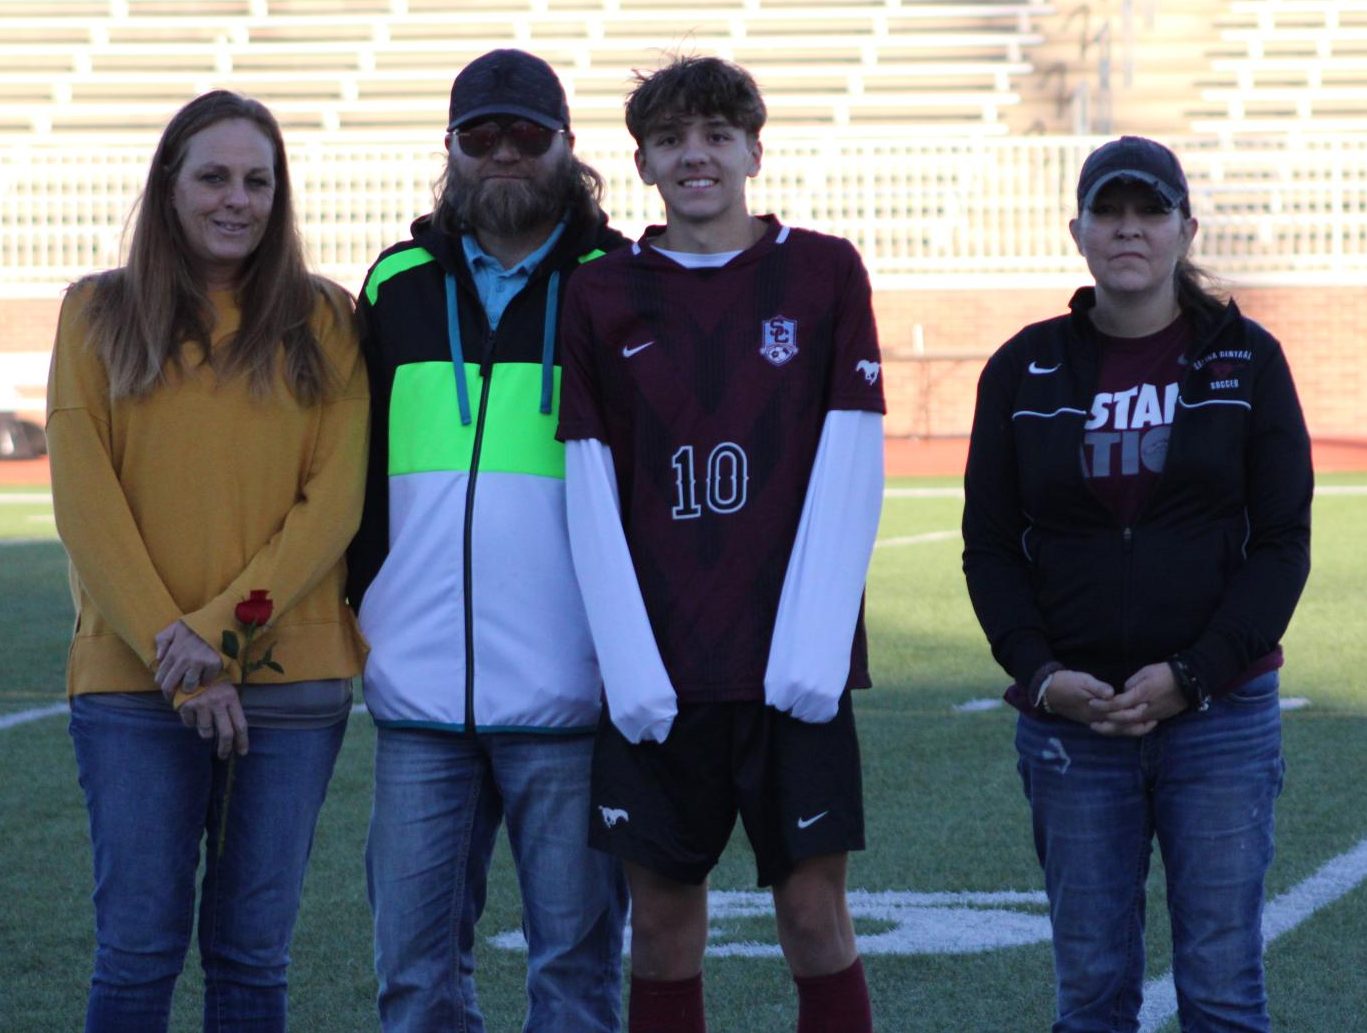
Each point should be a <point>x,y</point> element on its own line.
<point>365,73</point>
<point>1287,66</point>
<point>121,66</point>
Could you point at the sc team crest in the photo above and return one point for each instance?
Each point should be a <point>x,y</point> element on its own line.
<point>778,339</point>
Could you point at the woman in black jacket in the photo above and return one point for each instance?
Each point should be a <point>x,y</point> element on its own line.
<point>1136,536</point>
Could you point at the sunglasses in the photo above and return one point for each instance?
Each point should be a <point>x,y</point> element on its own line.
<point>530,139</point>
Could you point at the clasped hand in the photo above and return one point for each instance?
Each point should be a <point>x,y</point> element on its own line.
<point>1149,695</point>
<point>186,660</point>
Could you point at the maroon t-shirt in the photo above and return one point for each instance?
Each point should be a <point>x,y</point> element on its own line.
<point>711,387</point>
<point>1125,440</point>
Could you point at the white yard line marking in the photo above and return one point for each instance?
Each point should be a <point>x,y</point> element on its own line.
<point>974,706</point>
<point>23,717</point>
<point>914,923</point>
<point>1336,879</point>
<point>1341,489</point>
<point>23,498</point>
<point>917,539</point>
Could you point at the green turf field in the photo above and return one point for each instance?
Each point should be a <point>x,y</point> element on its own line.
<point>947,895</point>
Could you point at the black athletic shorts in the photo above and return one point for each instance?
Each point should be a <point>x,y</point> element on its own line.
<point>671,806</point>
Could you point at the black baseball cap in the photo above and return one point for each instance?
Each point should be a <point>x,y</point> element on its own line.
<point>1133,158</point>
<point>508,82</point>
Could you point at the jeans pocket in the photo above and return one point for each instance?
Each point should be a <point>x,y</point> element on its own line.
<point>1259,691</point>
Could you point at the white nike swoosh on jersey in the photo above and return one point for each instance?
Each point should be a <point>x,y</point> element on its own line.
<point>1041,370</point>
<point>629,352</point>
<point>804,823</point>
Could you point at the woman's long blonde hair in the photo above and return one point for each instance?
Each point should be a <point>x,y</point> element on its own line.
<point>142,315</point>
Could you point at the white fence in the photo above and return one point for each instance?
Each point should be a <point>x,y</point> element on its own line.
<point>1273,207</point>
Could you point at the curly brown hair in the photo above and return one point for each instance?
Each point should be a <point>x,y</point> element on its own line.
<point>695,86</point>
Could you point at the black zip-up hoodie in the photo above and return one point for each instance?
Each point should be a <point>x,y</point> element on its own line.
<point>1210,570</point>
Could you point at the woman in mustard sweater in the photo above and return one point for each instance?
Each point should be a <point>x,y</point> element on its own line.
<point>207,421</point>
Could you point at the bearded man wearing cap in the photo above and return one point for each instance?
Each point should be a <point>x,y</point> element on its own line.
<point>482,677</point>
<point>1136,536</point>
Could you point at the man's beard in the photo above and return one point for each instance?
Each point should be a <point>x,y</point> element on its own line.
<point>509,206</point>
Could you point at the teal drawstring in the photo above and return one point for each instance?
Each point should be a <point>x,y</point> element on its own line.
<point>548,343</point>
<point>457,358</point>
<point>547,347</point>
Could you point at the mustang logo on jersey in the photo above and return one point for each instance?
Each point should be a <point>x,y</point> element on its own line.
<point>869,369</point>
<point>778,339</point>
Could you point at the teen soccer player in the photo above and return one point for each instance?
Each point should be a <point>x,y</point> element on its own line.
<point>722,409</point>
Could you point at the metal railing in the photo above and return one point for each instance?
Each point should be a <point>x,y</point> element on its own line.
<point>1275,206</point>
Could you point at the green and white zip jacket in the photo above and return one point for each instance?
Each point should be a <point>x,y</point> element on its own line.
<point>461,570</point>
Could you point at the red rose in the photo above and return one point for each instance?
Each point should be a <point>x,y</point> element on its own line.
<point>255,611</point>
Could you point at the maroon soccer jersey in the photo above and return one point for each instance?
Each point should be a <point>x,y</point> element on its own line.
<point>711,387</point>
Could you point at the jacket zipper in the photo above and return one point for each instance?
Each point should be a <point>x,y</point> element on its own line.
<point>1127,532</point>
<point>467,574</point>
<point>468,579</point>
<point>1127,561</point>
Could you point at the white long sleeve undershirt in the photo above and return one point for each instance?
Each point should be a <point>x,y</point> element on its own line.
<point>641,699</point>
<point>809,655</point>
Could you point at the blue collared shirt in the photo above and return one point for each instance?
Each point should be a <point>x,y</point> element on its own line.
<point>496,285</point>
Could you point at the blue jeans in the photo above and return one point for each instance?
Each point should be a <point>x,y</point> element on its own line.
<point>154,791</point>
<point>439,798</point>
<point>1206,784</point>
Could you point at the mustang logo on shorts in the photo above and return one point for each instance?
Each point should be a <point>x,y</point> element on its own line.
<point>778,339</point>
<point>612,815</point>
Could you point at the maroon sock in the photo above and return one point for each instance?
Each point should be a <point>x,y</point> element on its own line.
<point>837,1003</point>
<point>666,1006</point>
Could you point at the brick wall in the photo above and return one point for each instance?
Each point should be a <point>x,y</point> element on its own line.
<point>27,324</point>
<point>931,374</point>
<point>935,343</point>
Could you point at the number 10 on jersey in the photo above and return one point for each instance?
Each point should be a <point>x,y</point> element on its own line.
<point>724,483</point>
